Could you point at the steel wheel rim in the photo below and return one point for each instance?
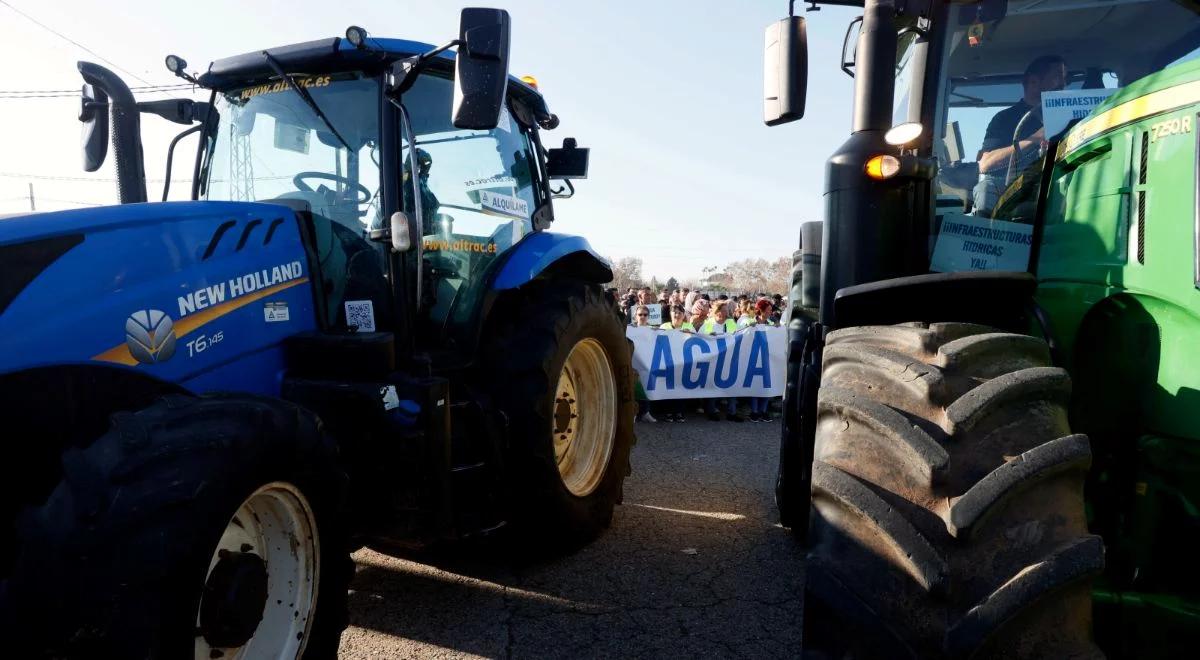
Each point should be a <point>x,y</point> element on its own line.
<point>275,523</point>
<point>584,435</point>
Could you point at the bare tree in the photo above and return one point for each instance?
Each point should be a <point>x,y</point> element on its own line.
<point>627,272</point>
<point>779,278</point>
<point>756,275</point>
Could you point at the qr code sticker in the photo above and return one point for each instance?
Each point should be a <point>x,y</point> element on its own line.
<point>361,315</point>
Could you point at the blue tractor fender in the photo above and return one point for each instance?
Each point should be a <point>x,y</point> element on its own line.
<point>546,252</point>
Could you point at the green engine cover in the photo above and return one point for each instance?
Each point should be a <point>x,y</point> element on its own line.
<point>1118,271</point>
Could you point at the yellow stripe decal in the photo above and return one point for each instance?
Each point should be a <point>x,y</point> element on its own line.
<point>120,354</point>
<point>1130,111</point>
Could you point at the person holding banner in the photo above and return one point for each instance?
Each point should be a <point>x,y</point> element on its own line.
<point>762,311</point>
<point>678,321</point>
<point>641,316</point>
<point>719,324</point>
<point>745,314</point>
<point>675,407</point>
<point>700,310</point>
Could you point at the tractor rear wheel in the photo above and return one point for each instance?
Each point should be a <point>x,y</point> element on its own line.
<point>947,499</point>
<point>559,366</point>
<point>198,527</point>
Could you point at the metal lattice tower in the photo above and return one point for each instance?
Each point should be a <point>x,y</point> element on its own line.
<point>241,169</point>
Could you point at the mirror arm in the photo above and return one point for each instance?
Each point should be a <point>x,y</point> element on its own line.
<point>171,155</point>
<point>848,67</point>
<point>411,67</point>
<point>557,192</point>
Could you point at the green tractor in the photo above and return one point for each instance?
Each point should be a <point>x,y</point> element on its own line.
<point>990,439</point>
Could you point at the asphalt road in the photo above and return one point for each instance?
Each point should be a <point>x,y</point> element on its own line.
<point>693,566</point>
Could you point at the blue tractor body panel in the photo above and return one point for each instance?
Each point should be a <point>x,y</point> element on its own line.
<point>537,252</point>
<point>202,294</point>
<point>197,293</point>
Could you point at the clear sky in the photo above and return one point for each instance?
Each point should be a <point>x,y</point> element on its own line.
<point>667,93</point>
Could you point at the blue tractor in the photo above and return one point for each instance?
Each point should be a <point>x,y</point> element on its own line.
<point>359,331</point>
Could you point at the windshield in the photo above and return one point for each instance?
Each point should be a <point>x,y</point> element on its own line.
<point>1004,64</point>
<point>271,145</point>
<point>477,197</point>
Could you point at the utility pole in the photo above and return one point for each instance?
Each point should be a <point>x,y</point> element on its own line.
<point>31,205</point>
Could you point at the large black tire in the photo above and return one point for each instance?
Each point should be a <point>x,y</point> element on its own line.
<point>948,513</point>
<point>524,357</point>
<point>114,563</point>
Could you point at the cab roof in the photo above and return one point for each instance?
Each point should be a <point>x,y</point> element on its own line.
<point>324,56</point>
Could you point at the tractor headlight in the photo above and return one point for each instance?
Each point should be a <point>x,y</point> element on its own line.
<point>882,167</point>
<point>175,64</point>
<point>356,36</point>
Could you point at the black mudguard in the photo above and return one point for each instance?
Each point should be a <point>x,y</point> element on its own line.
<point>998,299</point>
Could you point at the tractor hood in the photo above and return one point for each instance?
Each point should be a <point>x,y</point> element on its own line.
<point>151,286</point>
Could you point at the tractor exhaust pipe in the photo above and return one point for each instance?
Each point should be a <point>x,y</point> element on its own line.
<point>875,68</point>
<point>126,130</point>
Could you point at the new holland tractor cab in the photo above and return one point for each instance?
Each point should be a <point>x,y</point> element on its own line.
<point>359,331</point>
<point>990,440</point>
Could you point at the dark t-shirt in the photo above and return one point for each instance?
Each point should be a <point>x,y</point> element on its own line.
<point>1000,130</point>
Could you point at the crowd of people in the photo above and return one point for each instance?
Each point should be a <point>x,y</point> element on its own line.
<point>684,310</point>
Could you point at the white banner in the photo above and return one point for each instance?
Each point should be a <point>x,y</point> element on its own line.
<point>678,365</point>
<point>966,242</point>
<point>656,317</point>
<point>1059,108</point>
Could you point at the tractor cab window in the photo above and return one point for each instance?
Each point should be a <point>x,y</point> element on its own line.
<point>271,145</point>
<point>477,197</point>
<point>1004,64</point>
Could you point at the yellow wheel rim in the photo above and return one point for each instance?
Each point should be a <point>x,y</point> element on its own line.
<point>585,412</point>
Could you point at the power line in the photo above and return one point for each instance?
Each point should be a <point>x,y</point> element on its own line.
<point>86,179</point>
<point>75,92</point>
<point>97,179</point>
<point>72,41</point>
<point>69,201</point>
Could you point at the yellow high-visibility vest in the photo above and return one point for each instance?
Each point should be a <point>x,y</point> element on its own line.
<point>710,326</point>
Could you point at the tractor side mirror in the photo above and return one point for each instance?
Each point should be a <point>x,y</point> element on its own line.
<point>481,68</point>
<point>93,112</point>
<point>785,71</point>
<point>569,162</point>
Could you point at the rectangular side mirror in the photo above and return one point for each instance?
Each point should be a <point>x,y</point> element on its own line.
<point>481,68</point>
<point>785,71</point>
<point>93,112</point>
<point>569,162</point>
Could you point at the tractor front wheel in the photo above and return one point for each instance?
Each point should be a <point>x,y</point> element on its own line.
<point>947,499</point>
<point>559,367</point>
<point>198,527</point>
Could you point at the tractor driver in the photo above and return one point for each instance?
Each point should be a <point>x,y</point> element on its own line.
<point>429,201</point>
<point>1044,74</point>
